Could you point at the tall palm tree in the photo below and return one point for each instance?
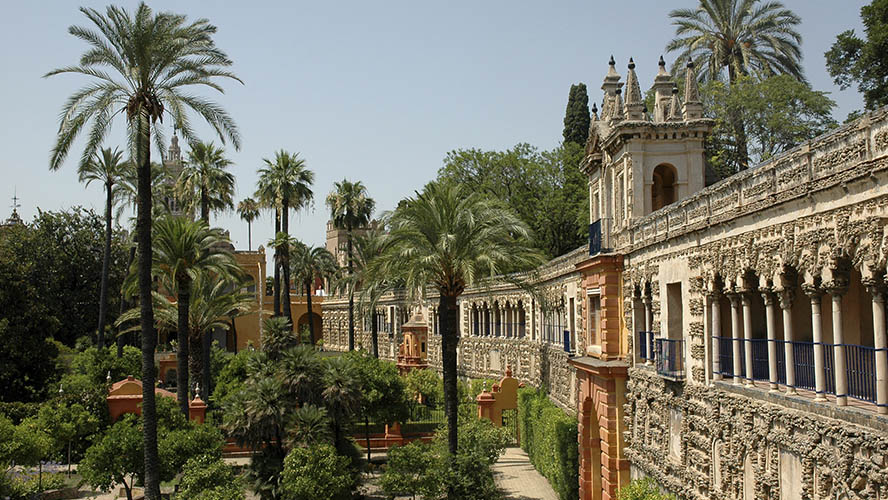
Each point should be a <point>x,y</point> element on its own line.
<point>368,246</point>
<point>248,210</point>
<point>342,397</point>
<point>109,168</point>
<point>285,184</point>
<point>737,37</point>
<point>350,208</point>
<point>310,263</point>
<point>184,251</point>
<point>140,63</point>
<point>204,183</point>
<point>448,239</point>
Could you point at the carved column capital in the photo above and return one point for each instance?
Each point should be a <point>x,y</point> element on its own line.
<point>812,291</point>
<point>768,297</point>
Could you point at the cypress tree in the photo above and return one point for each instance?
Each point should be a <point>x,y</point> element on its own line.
<point>576,117</point>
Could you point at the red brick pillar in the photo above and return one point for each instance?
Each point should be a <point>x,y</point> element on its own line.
<point>197,410</point>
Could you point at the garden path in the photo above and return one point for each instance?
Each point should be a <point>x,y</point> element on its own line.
<point>518,479</point>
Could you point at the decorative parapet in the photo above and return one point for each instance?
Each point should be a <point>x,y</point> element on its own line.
<point>850,152</point>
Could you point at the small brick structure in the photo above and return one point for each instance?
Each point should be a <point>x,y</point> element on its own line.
<point>412,353</point>
<point>125,396</point>
<point>503,396</point>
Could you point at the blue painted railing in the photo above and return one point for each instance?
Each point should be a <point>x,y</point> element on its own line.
<point>669,357</point>
<point>595,237</point>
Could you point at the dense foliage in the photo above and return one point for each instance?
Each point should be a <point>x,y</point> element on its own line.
<point>643,489</point>
<point>863,61</point>
<point>549,436</point>
<point>777,113</point>
<point>576,116</point>
<point>50,272</point>
<point>546,189</point>
<point>209,478</point>
<point>317,473</point>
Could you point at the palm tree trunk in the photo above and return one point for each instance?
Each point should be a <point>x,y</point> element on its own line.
<point>149,337</point>
<point>285,261</point>
<point>447,307</point>
<point>249,236</point>
<point>374,333</point>
<point>204,206</point>
<point>106,268</point>
<point>311,327</point>
<point>276,285</point>
<point>182,305</point>
<point>234,334</point>
<point>351,292</point>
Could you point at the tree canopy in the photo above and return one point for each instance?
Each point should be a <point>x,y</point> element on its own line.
<point>863,61</point>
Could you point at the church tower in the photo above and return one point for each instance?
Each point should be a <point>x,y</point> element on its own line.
<point>640,160</point>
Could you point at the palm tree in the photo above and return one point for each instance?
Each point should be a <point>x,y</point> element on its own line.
<point>248,210</point>
<point>184,251</point>
<point>740,37</point>
<point>308,264</point>
<point>284,184</point>
<point>205,183</point>
<point>448,239</point>
<point>342,396</point>
<point>139,64</point>
<point>109,168</point>
<point>350,208</point>
<point>367,247</point>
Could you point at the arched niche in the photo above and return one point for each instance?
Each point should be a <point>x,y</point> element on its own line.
<point>664,187</point>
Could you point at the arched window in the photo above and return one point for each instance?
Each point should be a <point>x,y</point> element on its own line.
<point>663,188</point>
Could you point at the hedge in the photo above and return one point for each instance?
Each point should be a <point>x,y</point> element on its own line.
<point>549,436</point>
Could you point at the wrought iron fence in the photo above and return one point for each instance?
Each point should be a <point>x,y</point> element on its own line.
<point>646,346</point>
<point>669,356</point>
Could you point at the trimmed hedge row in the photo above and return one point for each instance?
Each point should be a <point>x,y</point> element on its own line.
<point>549,436</point>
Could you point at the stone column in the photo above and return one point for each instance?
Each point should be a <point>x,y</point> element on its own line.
<point>736,329</point>
<point>772,340</point>
<point>817,329</point>
<point>840,372</point>
<point>648,325</point>
<point>747,337</point>
<point>880,343</point>
<point>716,336</point>
<point>786,297</point>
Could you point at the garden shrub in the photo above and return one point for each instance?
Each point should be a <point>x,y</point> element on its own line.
<point>643,489</point>
<point>549,436</point>
<point>317,473</point>
<point>410,470</point>
<point>209,478</point>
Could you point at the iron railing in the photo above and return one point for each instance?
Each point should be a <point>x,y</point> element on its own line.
<point>669,357</point>
<point>595,238</point>
<point>646,346</point>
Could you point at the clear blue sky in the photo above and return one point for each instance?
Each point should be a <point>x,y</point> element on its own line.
<point>370,91</point>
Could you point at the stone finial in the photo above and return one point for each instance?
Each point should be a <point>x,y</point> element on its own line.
<point>674,106</point>
<point>610,86</point>
<point>617,113</point>
<point>693,108</point>
<point>634,103</point>
<point>594,112</point>
<point>662,87</point>
<point>174,153</point>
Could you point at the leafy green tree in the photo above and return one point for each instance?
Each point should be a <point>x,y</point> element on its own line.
<point>209,478</point>
<point>449,238</point>
<point>308,264</point>
<point>69,426</point>
<point>778,113</point>
<point>852,59</point>
<point>180,55</point>
<point>410,470</point>
<point>284,184</point>
<point>545,189</point>
<point>384,394</point>
<point>350,209</point>
<point>737,37</point>
<point>205,183</point>
<point>107,168</point>
<point>425,385</point>
<point>311,426</point>
<point>317,473</point>
<point>116,458</point>
<point>248,211</point>
<point>576,117</point>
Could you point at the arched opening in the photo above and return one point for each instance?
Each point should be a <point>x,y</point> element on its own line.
<point>663,187</point>
<point>302,327</point>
